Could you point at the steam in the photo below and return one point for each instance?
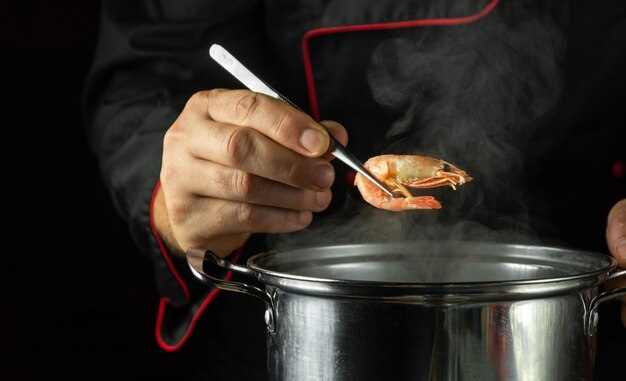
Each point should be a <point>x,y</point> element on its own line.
<point>473,95</point>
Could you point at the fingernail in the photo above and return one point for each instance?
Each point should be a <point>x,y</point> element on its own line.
<point>324,176</point>
<point>315,140</point>
<point>620,250</point>
<point>322,199</point>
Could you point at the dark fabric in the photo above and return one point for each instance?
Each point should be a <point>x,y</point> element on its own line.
<point>565,130</point>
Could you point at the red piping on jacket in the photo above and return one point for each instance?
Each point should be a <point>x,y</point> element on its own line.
<point>196,316</point>
<point>369,27</point>
<point>165,300</point>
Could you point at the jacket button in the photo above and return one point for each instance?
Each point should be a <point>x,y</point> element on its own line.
<point>619,169</point>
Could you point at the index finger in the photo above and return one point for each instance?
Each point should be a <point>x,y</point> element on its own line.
<point>275,119</point>
<point>616,232</point>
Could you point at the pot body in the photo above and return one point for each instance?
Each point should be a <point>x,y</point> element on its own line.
<point>452,311</point>
<point>320,338</point>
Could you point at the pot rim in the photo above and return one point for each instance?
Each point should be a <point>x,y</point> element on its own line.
<point>437,291</point>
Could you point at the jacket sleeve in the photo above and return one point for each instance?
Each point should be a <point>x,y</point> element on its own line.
<point>150,58</point>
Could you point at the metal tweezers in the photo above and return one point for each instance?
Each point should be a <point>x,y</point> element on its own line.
<point>254,83</point>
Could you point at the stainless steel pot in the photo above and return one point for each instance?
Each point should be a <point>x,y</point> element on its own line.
<point>426,310</point>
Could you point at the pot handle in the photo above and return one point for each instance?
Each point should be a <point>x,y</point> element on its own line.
<point>198,260</point>
<point>592,321</point>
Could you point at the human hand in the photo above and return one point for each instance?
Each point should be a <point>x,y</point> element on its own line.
<point>616,240</point>
<point>236,163</point>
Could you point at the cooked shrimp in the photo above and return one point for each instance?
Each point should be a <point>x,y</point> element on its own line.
<point>400,171</point>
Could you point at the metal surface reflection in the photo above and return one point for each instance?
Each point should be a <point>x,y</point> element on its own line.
<point>320,339</point>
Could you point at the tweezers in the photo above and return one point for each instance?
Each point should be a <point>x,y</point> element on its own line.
<point>254,83</point>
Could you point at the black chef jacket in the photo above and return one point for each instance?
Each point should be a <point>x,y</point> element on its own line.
<point>528,97</point>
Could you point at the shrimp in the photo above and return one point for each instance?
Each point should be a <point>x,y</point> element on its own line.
<point>400,171</point>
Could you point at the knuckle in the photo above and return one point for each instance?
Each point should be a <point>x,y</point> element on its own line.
<point>283,124</point>
<point>200,99</point>
<point>302,199</point>
<point>290,221</point>
<point>172,135</point>
<point>294,170</point>
<point>245,184</point>
<point>169,139</point>
<point>178,210</point>
<point>245,107</point>
<point>247,214</point>
<point>220,178</point>
<point>172,140</point>
<point>239,145</point>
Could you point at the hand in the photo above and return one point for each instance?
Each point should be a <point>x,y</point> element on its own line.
<point>236,163</point>
<point>616,240</point>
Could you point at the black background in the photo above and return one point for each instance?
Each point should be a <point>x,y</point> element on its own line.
<point>80,301</point>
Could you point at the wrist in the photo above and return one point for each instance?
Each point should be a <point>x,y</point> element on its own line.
<point>163,226</point>
<point>220,245</point>
<point>224,246</point>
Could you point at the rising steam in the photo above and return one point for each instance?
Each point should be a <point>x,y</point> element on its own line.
<point>473,95</point>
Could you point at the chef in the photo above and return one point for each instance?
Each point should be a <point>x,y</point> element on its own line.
<point>191,159</point>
